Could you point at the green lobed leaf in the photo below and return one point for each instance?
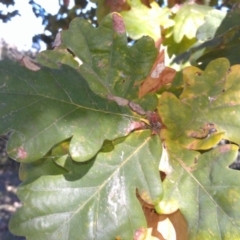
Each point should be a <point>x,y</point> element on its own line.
<point>109,66</point>
<point>209,97</point>
<point>102,9</point>
<point>174,48</point>
<point>228,35</point>
<point>46,107</point>
<point>142,20</point>
<point>188,19</point>
<point>220,34</point>
<point>205,189</point>
<point>53,59</point>
<point>96,199</point>
<point>213,21</point>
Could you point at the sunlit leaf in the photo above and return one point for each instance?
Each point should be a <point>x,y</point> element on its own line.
<point>201,117</point>
<point>205,190</point>
<point>108,64</point>
<point>220,40</point>
<point>141,20</point>
<point>53,105</point>
<point>188,19</point>
<point>94,200</point>
<point>213,20</point>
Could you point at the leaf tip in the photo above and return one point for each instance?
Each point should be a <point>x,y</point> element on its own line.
<point>118,23</point>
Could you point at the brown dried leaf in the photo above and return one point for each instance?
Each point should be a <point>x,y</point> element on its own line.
<point>176,224</point>
<point>117,6</point>
<point>120,101</point>
<point>57,41</point>
<point>136,108</point>
<point>159,76</point>
<point>30,64</point>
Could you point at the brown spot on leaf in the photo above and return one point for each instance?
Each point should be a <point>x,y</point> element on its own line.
<point>136,108</point>
<point>30,64</point>
<point>198,73</point>
<point>57,41</point>
<point>25,61</point>
<point>154,121</point>
<point>118,23</point>
<point>120,101</point>
<point>211,99</point>
<point>225,148</point>
<point>140,234</point>
<point>135,126</point>
<point>207,129</point>
<point>21,153</point>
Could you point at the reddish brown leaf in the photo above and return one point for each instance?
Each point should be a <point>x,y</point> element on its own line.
<point>154,121</point>
<point>29,63</point>
<point>159,76</point>
<point>117,5</point>
<point>155,222</point>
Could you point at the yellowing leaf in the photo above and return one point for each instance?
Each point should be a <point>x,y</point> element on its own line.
<point>205,190</point>
<point>201,117</point>
<point>188,19</point>
<point>141,20</point>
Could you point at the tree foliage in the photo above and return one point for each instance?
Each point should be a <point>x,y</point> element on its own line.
<point>102,117</point>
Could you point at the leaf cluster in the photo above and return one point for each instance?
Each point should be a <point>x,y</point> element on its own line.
<point>95,122</point>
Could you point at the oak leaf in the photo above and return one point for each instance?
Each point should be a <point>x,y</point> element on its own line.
<point>159,76</point>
